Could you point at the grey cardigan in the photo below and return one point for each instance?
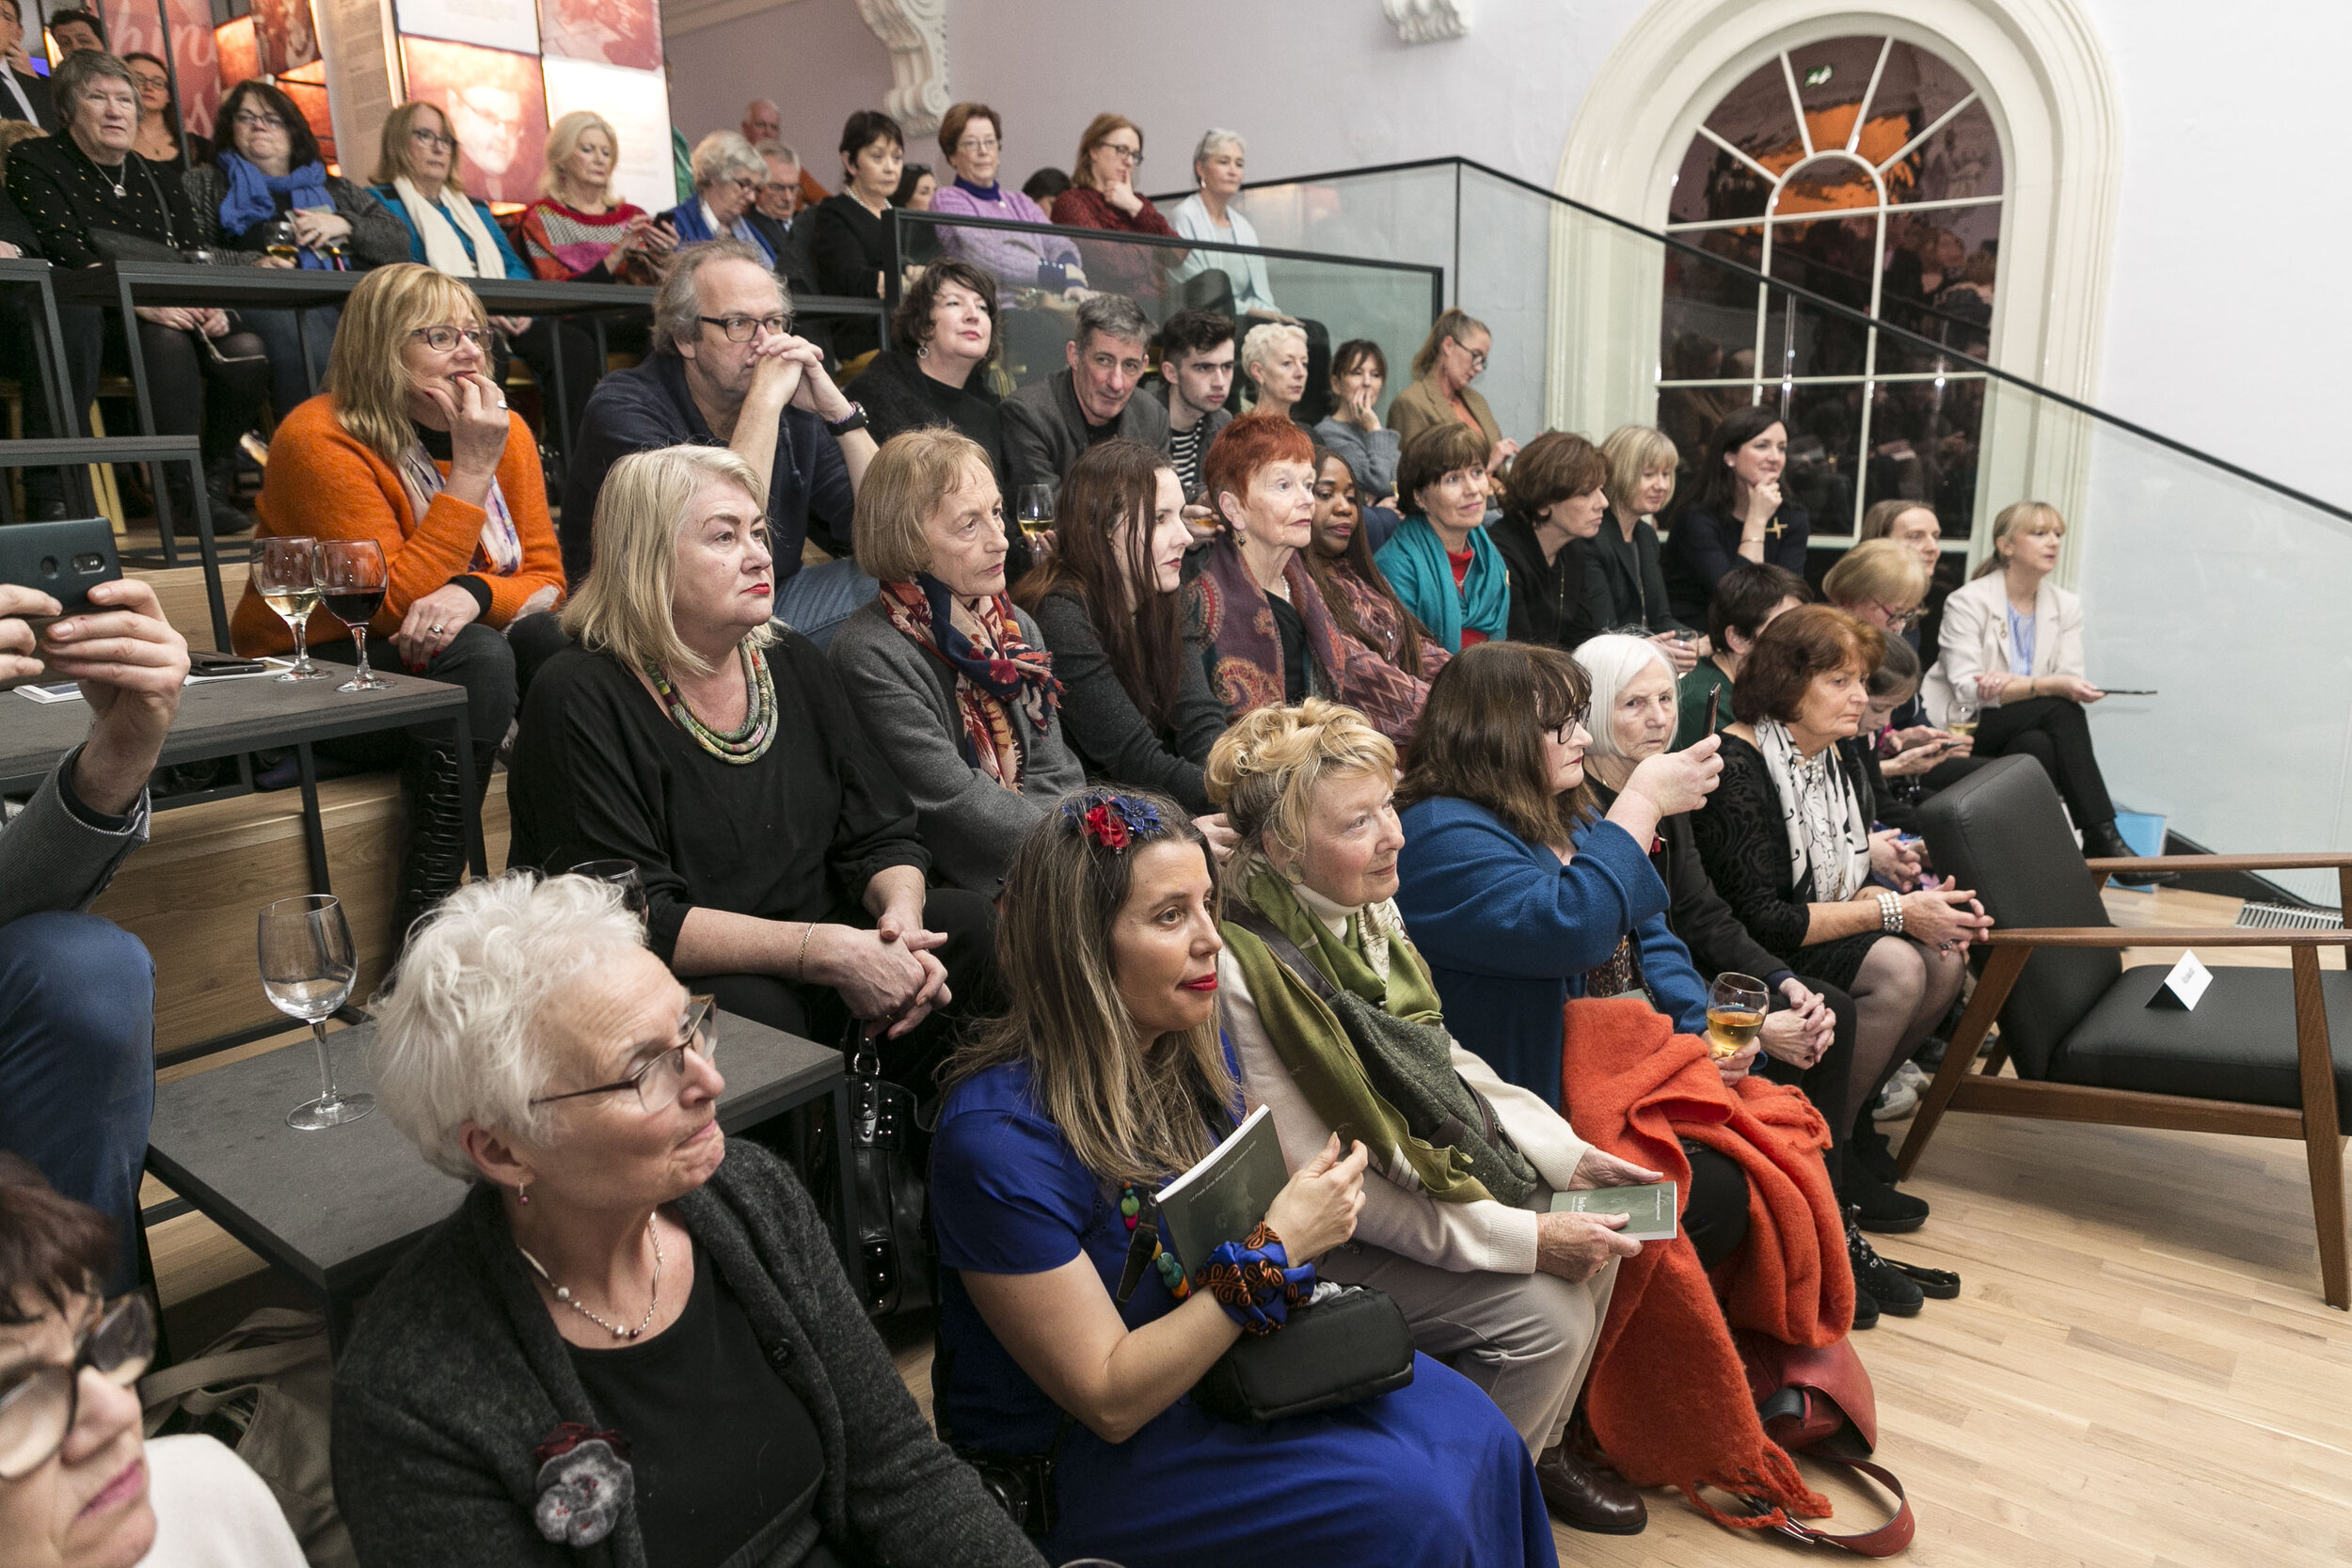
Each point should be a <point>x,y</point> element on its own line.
<point>53,858</point>
<point>455,1372</point>
<point>970,823</point>
<point>1370,456</point>
<point>377,238</point>
<point>1109,734</point>
<point>1045,432</point>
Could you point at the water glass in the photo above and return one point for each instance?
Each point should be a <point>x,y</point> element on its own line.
<point>307,967</point>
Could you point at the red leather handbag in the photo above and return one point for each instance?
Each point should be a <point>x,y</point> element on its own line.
<point>1819,1402</point>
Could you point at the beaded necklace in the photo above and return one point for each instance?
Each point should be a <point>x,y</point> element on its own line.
<point>1171,1272</point>
<point>751,742</point>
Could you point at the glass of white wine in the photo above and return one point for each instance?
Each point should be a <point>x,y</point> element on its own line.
<point>308,968</point>
<point>285,573</point>
<point>1962,719</point>
<point>1035,509</point>
<point>1734,1014</point>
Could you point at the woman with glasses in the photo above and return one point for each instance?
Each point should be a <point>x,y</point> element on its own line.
<point>160,138</point>
<point>1102,195</point>
<point>1449,359</point>
<point>267,191</point>
<point>1445,568</point>
<point>631,1343</point>
<point>693,736</point>
<point>416,180</point>
<point>727,177</point>
<point>78,1487</point>
<point>973,137</point>
<point>412,449</point>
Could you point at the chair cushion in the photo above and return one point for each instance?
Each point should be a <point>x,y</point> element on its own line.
<point>2001,831</point>
<point>2237,1045</point>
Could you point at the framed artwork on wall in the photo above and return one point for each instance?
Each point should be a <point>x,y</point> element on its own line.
<point>497,108</point>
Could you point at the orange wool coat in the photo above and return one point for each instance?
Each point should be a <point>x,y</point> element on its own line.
<point>322,482</point>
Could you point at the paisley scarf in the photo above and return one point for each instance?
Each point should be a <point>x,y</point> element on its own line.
<point>990,678</point>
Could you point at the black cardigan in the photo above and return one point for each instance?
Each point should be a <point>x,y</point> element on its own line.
<point>1551,600</point>
<point>1625,582</point>
<point>1703,547</point>
<point>455,1372</point>
<point>64,196</point>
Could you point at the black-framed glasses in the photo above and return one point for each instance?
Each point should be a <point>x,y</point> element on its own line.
<point>658,1079</point>
<point>441,340</point>
<point>39,1405</point>
<point>1564,732</point>
<point>253,122</point>
<point>1478,361</point>
<point>1898,619</point>
<point>1133,155</point>
<point>434,139</point>
<point>742,329</point>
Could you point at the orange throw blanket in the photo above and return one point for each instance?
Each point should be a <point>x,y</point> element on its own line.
<point>1667,1397</point>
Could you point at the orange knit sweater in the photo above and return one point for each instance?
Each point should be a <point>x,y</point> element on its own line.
<point>322,482</point>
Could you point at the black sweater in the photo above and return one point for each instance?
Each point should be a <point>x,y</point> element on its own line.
<point>1551,600</point>
<point>897,396</point>
<point>64,196</point>
<point>1112,738</point>
<point>850,248</point>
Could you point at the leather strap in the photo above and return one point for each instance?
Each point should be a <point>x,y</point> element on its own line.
<point>1286,951</point>
<point>1886,1540</point>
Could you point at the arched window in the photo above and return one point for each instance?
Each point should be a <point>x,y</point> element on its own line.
<point>1869,171</point>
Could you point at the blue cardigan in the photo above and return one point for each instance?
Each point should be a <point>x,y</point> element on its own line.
<point>1509,932</point>
<point>686,218</point>
<point>399,208</point>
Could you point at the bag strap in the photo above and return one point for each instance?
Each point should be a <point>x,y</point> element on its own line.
<point>1285,952</point>
<point>235,1366</point>
<point>1886,1540</point>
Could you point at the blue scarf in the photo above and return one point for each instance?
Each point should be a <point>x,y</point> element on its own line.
<point>251,196</point>
<point>1414,561</point>
<point>986,193</point>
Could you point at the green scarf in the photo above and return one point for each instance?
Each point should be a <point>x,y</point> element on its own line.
<point>1315,1047</point>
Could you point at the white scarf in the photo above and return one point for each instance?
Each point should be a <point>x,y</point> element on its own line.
<point>1828,834</point>
<point>444,251</point>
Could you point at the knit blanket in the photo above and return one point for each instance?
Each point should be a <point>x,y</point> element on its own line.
<point>1667,1397</point>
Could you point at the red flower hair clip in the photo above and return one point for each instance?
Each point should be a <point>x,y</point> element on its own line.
<point>1114,821</point>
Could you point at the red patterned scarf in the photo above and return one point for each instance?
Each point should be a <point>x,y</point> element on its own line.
<point>993,674</point>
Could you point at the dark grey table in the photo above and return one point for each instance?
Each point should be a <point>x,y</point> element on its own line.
<point>337,1209</point>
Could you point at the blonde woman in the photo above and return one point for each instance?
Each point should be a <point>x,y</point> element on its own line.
<point>1274,358</point>
<point>1449,359</point>
<point>577,231</point>
<point>693,736</point>
<point>412,446</point>
<point>1629,586</point>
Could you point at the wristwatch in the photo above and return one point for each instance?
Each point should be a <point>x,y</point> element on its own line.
<point>853,419</point>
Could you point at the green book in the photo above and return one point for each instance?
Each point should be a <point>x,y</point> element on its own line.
<point>1649,1211</point>
<point>1223,1198</point>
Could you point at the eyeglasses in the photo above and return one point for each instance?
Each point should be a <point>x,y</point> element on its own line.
<point>743,184</point>
<point>1478,361</point>
<point>742,329</point>
<point>659,1079</point>
<point>252,121</point>
<point>981,144</point>
<point>1565,733</point>
<point>146,82</point>
<point>441,340</point>
<point>433,138</point>
<point>37,1410</point>
<point>1132,156</point>
<point>1898,619</point>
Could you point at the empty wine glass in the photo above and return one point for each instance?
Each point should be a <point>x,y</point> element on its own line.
<point>351,580</point>
<point>285,573</point>
<point>308,968</point>
<point>620,874</point>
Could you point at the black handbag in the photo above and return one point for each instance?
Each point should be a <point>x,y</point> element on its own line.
<point>894,1240</point>
<point>1347,1347</point>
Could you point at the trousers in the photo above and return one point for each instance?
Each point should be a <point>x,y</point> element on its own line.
<point>2056,733</point>
<point>77,1063</point>
<point>814,600</point>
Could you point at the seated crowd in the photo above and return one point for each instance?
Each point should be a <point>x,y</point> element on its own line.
<point>1359,771</point>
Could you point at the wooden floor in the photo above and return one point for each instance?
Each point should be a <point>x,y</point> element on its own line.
<point>2139,1373</point>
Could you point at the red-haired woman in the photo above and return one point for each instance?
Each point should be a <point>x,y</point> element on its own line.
<point>1253,615</point>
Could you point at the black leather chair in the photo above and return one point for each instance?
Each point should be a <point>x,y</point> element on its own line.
<point>2253,1058</point>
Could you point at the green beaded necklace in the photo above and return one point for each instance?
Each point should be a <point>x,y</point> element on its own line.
<point>747,744</point>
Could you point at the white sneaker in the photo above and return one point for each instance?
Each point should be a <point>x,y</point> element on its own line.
<point>1896,1102</point>
<point>1915,1075</point>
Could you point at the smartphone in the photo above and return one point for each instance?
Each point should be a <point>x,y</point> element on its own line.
<point>1714,704</point>
<point>205,664</point>
<point>63,559</point>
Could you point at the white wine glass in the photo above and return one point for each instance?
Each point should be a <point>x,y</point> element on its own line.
<point>1734,1014</point>
<point>285,573</point>
<point>351,583</point>
<point>308,968</point>
<point>1034,511</point>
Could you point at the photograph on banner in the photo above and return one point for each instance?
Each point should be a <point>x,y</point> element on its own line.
<point>638,105</point>
<point>135,27</point>
<point>497,109</point>
<point>490,23</point>
<point>284,36</point>
<point>612,32</point>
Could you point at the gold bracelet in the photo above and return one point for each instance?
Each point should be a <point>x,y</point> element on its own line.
<point>800,965</point>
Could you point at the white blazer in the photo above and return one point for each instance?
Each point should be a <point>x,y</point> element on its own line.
<point>1974,639</point>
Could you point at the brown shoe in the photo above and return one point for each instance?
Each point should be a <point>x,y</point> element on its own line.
<point>1588,1499</point>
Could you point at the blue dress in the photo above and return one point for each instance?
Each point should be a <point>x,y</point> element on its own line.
<point>1431,1474</point>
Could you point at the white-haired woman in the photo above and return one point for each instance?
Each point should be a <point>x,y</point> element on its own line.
<point>692,737</point>
<point>1218,165</point>
<point>727,177</point>
<point>629,1337</point>
<point>1274,358</point>
<point>579,232</point>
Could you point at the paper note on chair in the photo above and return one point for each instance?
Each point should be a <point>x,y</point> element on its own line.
<point>2184,984</point>
<point>1649,1211</point>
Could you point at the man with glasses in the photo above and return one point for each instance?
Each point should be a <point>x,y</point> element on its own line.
<point>763,121</point>
<point>775,206</point>
<point>727,371</point>
<point>1049,425</point>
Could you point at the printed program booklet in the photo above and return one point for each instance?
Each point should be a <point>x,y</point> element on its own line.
<point>1223,1198</point>
<point>1649,1211</point>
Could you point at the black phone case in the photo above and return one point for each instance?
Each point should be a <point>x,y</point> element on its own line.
<point>63,559</point>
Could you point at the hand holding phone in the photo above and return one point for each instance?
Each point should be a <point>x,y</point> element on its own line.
<point>1714,704</point>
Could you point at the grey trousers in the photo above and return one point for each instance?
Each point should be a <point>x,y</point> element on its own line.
<point>1527,1339</point>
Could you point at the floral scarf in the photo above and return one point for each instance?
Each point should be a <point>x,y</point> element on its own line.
<point>501,551</point>
<point>989,679</point>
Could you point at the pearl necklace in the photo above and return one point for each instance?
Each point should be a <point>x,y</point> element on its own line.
<point>568,1299</point>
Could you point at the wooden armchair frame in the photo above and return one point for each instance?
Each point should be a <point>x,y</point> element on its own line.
<point>2316,1123</point>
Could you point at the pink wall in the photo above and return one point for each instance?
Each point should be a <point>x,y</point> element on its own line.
<point>817,58</point>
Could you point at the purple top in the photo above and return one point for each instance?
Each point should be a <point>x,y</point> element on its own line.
<point>1015,260</point>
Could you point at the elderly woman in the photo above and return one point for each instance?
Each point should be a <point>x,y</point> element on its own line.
<point>629,1336</point>
<point>90,199</point>
<point>1209,215</point>
<point>1508,1293</point>
<point>1353,429</point>
<point>1551,512</point>
<point>1629,586</point>
<point>849,232</point>
<point>948,675</point>
<point>972,136</point>
<point>266,176</point>
<point>727,177</point>
<point>1443,562</point>
<point>1361,603</point>
<point>1066,1348</point>
<point>416,180</point>
<point>412,446</point>
<point>1745,601</point>
<point>1102,195</point>
<point>1738,514</point>
<point>1451,356</point>
<point>694,737</point>
<point>579,232</point>
<point>942,339</point>
<point>1139,712</point>
<point>78,1489</point>
<point>1274,358</point>
<point>1252,613</point>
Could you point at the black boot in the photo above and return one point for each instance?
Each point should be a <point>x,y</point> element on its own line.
<point>227,517</point>
<point>220,489</point>
<point>2105,841</point>
<point>433,853</point>
<point>1874,1276</point>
